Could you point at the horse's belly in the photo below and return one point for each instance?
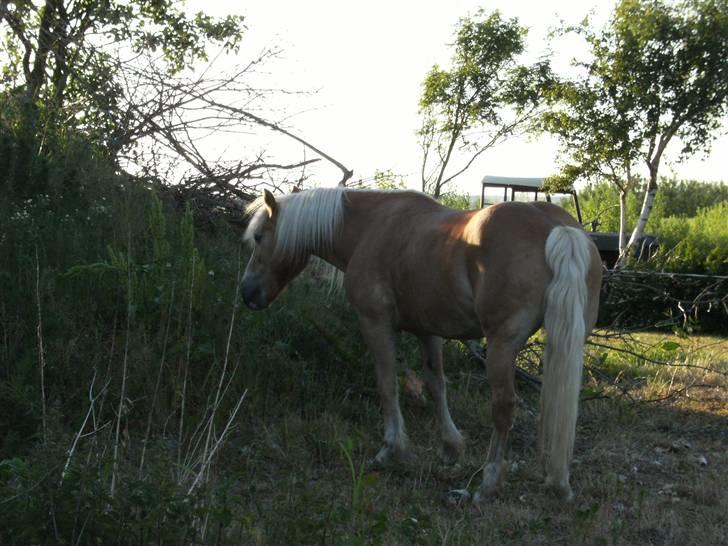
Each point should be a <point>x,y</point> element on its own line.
<point>452,321</point>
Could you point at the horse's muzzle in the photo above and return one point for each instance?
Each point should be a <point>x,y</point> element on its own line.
<point>253,296</point>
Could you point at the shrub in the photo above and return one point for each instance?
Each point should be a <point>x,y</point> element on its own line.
<point>696,245</point>
<point>680,198</point>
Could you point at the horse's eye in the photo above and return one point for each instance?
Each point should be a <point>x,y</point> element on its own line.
<point>258,237</point>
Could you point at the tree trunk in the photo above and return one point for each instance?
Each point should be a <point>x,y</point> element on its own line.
<point>45,43</point>
<point>639,228</point>
<point>622,221</point>
<point>3,9</point>
<point>436,190</point>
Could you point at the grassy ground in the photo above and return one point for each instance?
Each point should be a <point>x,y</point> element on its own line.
<point>131,436</point>
<point>651,464</point>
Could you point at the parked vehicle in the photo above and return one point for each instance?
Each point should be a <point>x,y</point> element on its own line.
<point>606,242</point>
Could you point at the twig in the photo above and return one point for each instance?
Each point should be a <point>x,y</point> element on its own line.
<point>79,434</point>
<point>678,392</point>
<point>209,449</point>
<point>206,461</point>
<point>159,380</point>
<point>122,396</point>
<point>41,353</point>
<point>346,173</point>
<point>188,350</point>
<point>654,361</point>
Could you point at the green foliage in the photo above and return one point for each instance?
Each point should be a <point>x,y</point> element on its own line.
<point>456,200</point>
<point>680,198</point>
<point>79,260</point>
<point>359,480</point>
<point>142,511</point>
<point>292,472</point>
<point>600,206</point>
<point>484,90</point>
<point>468,93</point>
<point>658,300</point>
<point>59,162</point>
<point>698,244</point>
<point>687,197</point>
<point>60,78</point>
<point>388,180</point>
<point>671,61</point>
<point>658,70</point>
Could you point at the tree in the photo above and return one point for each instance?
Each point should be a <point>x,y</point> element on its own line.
<point>595,129</point>
<point>65,53</point>
<point>481,100</point>
<point>125,75</point>
<point>658,73</point>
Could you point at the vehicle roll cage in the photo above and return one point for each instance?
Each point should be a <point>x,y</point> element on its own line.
<point>526,185</point>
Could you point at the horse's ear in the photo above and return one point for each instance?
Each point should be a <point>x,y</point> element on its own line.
<point>296,189</point>
<point>270,203</point>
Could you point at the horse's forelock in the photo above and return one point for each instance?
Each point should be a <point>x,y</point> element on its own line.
<point>256,212</point>
<point>307,220</point>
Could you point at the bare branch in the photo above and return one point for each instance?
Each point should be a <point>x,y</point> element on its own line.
<point>346,173</point>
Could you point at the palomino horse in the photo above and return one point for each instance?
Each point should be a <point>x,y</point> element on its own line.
<point>412,264</point>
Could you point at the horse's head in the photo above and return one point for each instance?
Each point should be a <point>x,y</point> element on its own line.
<point>268,270</point>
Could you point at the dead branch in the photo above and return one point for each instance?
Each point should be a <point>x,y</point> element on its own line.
<point>346,173</point>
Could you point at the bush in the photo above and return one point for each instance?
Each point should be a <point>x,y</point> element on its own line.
<point>680,198</point>
<point>695,245</point>
<point>656,300</point>
<point>456,200</point>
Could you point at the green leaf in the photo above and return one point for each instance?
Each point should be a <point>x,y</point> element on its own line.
<point>670,346</point>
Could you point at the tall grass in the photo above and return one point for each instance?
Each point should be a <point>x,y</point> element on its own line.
<point>105,429</point>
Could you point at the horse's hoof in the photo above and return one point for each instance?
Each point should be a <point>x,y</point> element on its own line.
<point>493,475</point>
<point>390,456</point>
<point>458,497</point>
<point>561,490</point>
<point>564,494</point>
<point>451,453</point>
<point>483,495</point>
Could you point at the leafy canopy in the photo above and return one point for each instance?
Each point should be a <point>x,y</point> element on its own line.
<point>658,71</point>
<point>70,62</point>
<point>481,99</point>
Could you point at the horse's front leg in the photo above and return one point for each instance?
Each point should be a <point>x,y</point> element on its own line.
<point>380,338</point>
<point>453,444</point>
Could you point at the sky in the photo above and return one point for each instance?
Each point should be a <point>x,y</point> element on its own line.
<point>364,63</point>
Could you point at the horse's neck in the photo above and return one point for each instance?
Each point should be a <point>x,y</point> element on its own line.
<point>359,209</point>
<point>364,212</point>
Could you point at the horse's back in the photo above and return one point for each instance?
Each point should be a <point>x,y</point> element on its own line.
<point>449,272</point>
<point>512,273</point>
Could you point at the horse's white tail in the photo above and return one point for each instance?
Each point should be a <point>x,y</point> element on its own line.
<point>568,256</point>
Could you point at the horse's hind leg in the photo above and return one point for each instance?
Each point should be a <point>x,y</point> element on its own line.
<point>379,337</point>
<point>500,361</point>
<point>452,441</point>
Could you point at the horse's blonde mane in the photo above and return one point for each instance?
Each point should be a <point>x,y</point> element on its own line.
<point>307,221</point>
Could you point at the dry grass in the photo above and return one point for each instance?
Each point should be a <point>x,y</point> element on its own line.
<point>651,463</point>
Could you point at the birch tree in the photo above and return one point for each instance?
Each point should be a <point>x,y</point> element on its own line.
<point>658,74</point>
